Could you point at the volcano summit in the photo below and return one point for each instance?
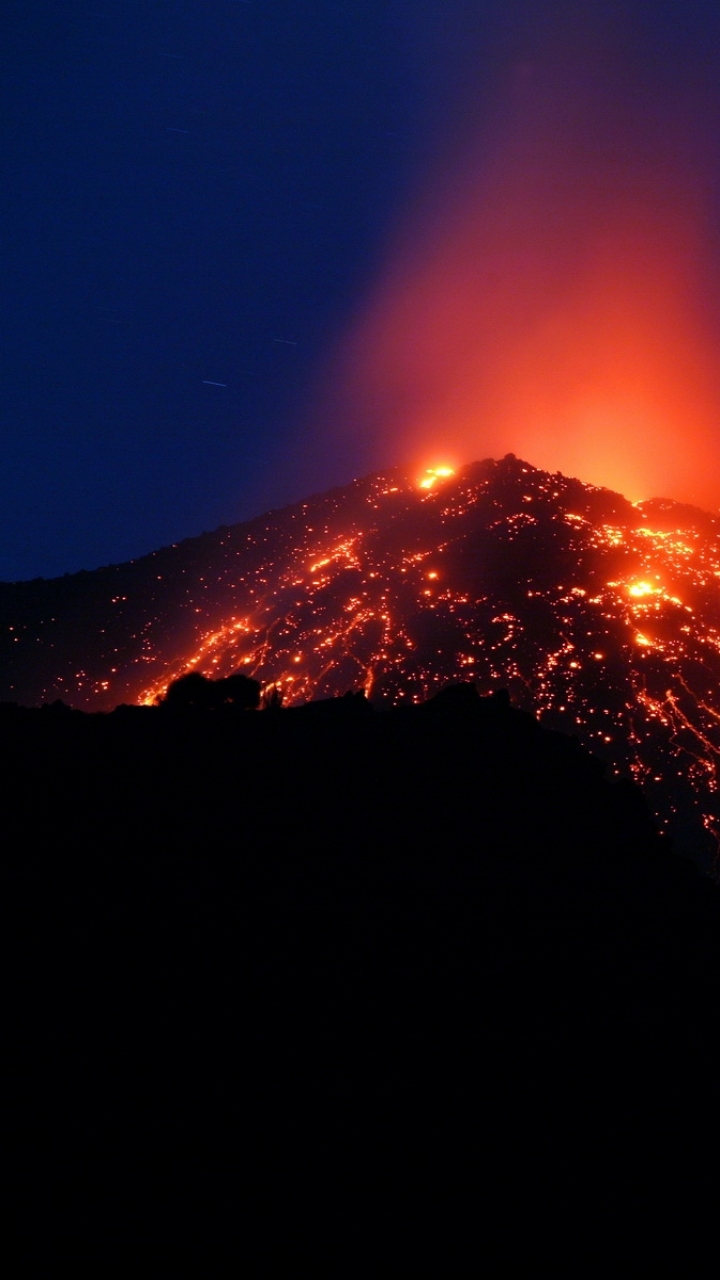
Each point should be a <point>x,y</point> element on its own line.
<point>600,615</point>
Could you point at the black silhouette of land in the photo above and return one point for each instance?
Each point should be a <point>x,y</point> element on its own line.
<point>331,986</point>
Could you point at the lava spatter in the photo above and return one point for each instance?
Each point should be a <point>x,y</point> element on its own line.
<point>600,615</point>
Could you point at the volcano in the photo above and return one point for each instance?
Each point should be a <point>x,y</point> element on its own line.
<point>600,615</point>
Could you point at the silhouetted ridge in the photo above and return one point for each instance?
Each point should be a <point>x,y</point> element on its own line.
<point>371,981</point>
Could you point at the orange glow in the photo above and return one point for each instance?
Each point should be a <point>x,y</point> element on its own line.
<point>547,294</point>
<point>433,474</point>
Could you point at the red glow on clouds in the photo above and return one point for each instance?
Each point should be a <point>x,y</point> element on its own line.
<point>549,295</point>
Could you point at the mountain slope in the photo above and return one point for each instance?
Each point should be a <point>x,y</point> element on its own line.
<point>600,615</point>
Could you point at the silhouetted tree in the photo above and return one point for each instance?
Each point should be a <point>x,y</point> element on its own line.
<point>198,691</point>
<point>238,691</point>
<point>272,699</point>
<point>191,690</point>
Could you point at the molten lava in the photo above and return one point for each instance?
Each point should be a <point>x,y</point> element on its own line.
<point>600,615</point>
<point>432,475</point>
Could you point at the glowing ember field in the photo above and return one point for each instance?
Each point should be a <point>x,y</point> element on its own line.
<point>600,615</point>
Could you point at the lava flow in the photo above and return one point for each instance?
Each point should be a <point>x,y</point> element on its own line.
<point>600,615</point>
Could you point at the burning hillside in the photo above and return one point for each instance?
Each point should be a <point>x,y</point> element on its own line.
<point>600,615</point>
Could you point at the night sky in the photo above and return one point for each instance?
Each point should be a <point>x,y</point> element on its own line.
<point>252,248</point>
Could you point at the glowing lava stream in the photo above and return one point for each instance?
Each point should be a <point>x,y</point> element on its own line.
<point>599,615</point>
<point>432,475</point>
<point>209,655</point>
<point>299,685</point>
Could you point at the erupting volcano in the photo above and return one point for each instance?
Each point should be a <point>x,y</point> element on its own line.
<point>600,615</point>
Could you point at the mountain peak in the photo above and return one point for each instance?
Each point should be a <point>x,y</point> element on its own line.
<point>600,615</point>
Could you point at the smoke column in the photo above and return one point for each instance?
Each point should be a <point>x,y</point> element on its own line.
<point>551,289</point>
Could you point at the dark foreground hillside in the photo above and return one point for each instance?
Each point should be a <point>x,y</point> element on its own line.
<point>417,989</point>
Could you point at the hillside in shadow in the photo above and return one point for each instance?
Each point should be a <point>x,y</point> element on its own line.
<point>337,985</point>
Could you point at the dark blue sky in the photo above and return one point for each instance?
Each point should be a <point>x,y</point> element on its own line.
<point>200,192</point>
